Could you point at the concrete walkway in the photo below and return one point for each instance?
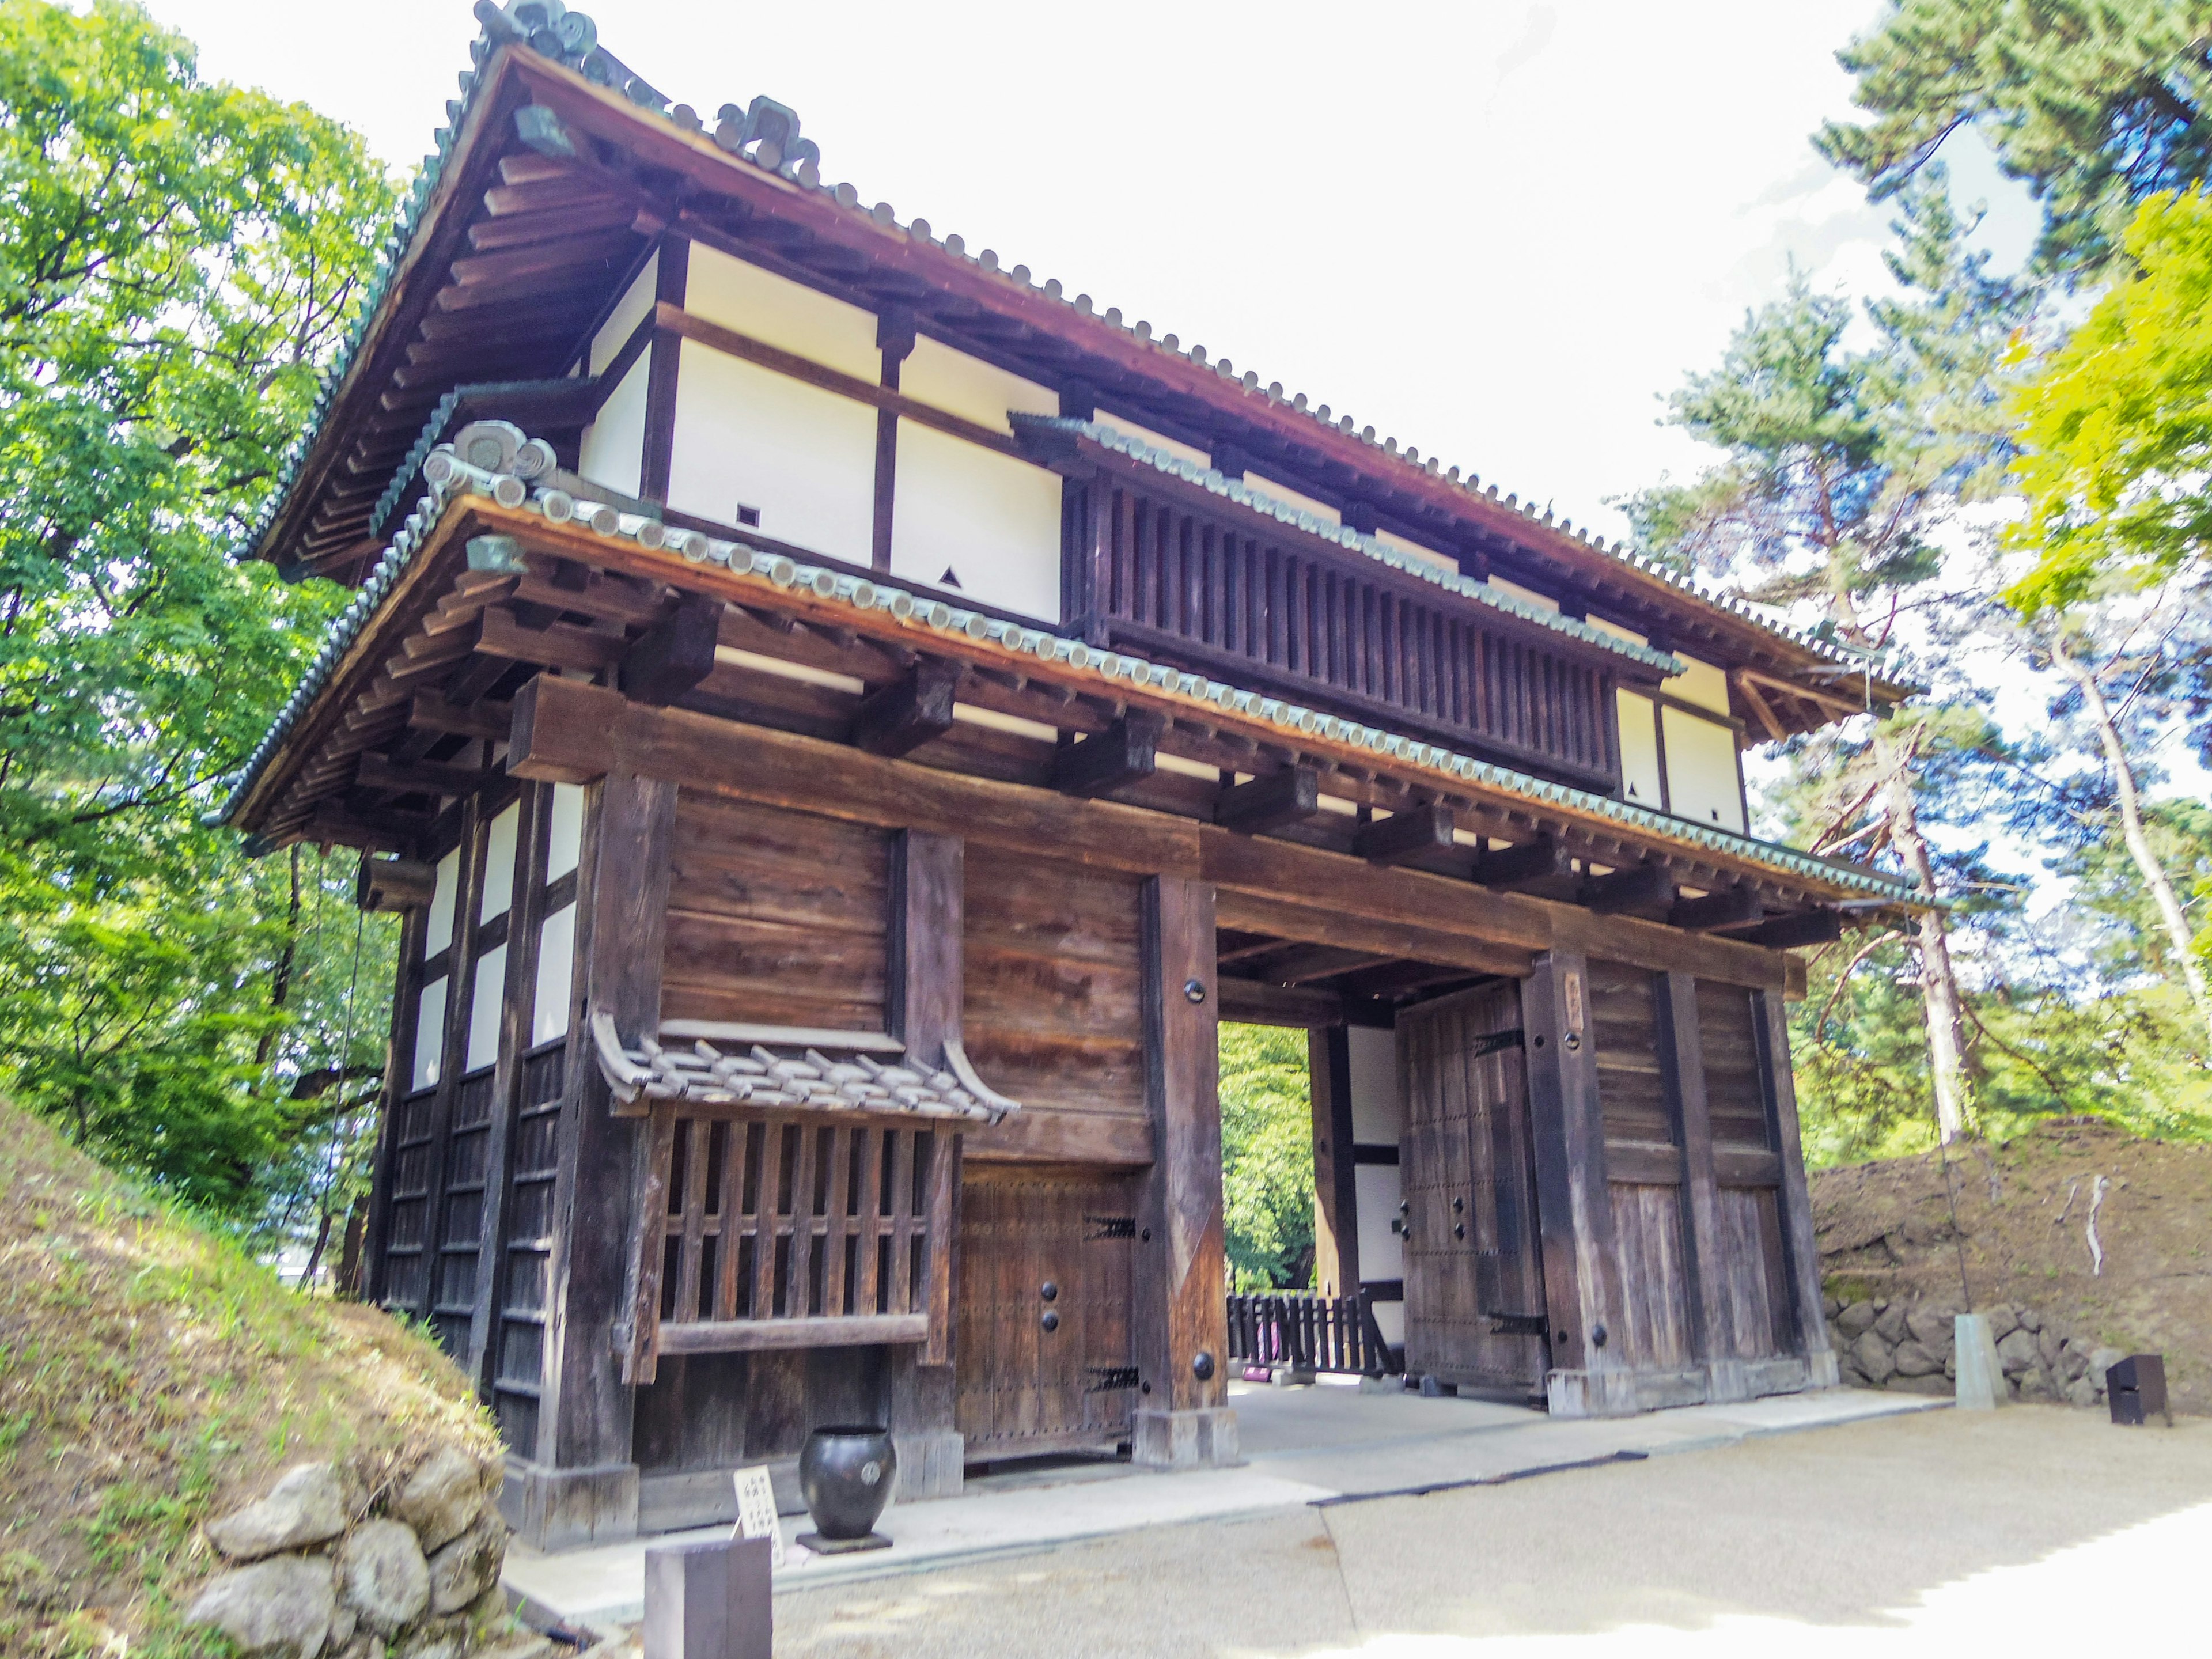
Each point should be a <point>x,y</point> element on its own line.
<point>1327,1446</point>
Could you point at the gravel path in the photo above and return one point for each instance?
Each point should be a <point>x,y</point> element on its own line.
<point>1942,1533</point>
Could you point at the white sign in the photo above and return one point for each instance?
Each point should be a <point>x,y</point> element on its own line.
<point>757,1512</point>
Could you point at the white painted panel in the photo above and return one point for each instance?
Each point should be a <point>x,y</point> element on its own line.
<point>629,311</point>
<point>556,966</point>
<point>438,929</point>
<point>991,521</point>
<point>1130,429</point>
<point>613,449</point>
<point>1704,685</point>
<point>782,313</point>
<point>805,457</point>
<point>429,1033</point>
<point>1414,550</point>
<point>1378,1109</point>
<point>1701,770</point>
<point>968,386</point>
<point>499,864</point>
<point>1527,593</point>
<point>1390,1320</point>
<point>1639,750</point>
<point>1377,1193</point>
<point>1282,492</point>
<point>567,849</point>
<point>483,1009</point>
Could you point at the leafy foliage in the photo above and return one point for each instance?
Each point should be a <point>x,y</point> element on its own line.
<point>2095,104</point>
<point>176,264</point>
<point>1266,1157</point>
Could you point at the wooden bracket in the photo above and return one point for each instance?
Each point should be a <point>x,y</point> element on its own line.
<point>1290,796</point>
<point>1730,906</point>
<point>1122,754</point>
<point>1525,865</point>
<point>1808,927</point>
<point>670,659</point>
<point>1639,887</point>
<point>908,713</point>
<point>1404,837</point>
<point>395,884</point>
<point>376,771</point>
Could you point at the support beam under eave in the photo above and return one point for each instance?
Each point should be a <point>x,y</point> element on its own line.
<point>1809,928</point>
<point>1415,832</point>
<point>1290,796</point>
<point>1125,752</point>
<point>1731,907</point>
<point>1531,863</point>
<point>670,659</point>
<point>906,714</point>
<point>1641,887</point>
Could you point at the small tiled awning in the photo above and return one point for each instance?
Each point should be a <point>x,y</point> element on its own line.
<point>787,1068</point>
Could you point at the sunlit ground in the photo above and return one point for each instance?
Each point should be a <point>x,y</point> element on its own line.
<point>2030,1530</point>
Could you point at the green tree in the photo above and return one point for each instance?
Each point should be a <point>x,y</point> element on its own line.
<point>1266,1157</point>
<point>2094,104</point>
<point>1840,466</point>
<point>177,260</point>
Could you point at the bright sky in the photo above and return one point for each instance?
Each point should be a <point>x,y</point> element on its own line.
<point>1495,230</point>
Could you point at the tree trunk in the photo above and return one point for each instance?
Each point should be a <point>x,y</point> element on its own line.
<point>2137,838</point>
<point>1939,982</point>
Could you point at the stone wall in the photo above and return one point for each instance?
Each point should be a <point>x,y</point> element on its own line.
<point>329,1564</point>
<point>1907,1345</point>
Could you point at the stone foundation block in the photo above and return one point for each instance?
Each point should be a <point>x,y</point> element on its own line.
<point>1184,1440</point>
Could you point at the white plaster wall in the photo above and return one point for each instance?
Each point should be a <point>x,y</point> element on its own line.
<point>483,1009</point>
<point>1130,429</point>
<point>782,313</point>
<point>1527,593</point>
<point>1378,1107</point>
<point>1414,550</point>
<point>804,457</point>
<point>1701,770</point>
<point>1377,1192</point>
<point>1639,750</point>
<point>429,1033</point>
<point>992,521</point>
<point>936,375</point>
<point>557,963</point>
<point>438,928</point>
<point>1704,685</point>
<point>499,864</point>
<point>613,449</point>
<point>566,845</point>
<point>629,311</point>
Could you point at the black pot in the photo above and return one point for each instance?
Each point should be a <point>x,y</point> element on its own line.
<point>845,1474</point>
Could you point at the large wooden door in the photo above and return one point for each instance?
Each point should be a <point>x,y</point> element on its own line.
<point>1475,1281</point>
<point>1042,1351</point>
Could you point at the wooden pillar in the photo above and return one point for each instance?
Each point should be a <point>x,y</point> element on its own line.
<point>671,276</point>
<point>1801,1249</point>
<point>1582,1275</point>
<point>1336,1201</point>
<point>526,908</point>
<point>583,1485</point>
<point>399,1074</point>
<point>924,993</point>
<point>1182,1335</point>
<point>1682,1069</point>
<point>452,1056</point>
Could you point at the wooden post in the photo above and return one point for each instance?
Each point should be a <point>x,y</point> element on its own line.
<point>452,1054</point>
<point>1682,1070</point>
<point>1582,1275</point>
<point>583,1485</point>
<point>1336,1200</point>
<point>671,276</point>
<point>399,1072</point>
<point>1181,1336</point>
<point>924,993</point>
<point>526,908</point>
<point>1801,1249</point>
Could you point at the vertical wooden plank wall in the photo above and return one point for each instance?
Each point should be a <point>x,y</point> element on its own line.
<point>1182,1319</point>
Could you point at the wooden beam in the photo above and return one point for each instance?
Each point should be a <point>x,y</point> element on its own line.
<point>561,646</point>
<point>1415,832</point>
<point>1336,1199</point>
<point>669,659</point>
<point>1801,1249</point>
<point>1524,866</point>
<point>764,1335</point>
<point>1124,753</point>
<point>395,885</point>
<point>421,778</point>
<point>1396,978</point>
<point>1298,963</point>
<point>1731,907</point>
<point>566,731</point>
<point>1320,922</point>
<point>1806,927</point>
<point>908,713</point>
<point>1289,796</point>
<point>431,713</point>
<point>1250,1002</point>
<point>1639,887</point>
<point>1759,705</point>
<point>922,995</point>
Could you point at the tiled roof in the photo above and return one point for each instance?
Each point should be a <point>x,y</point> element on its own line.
<point>766,134</point>
<point>450,477</point>
<point>1221,484</point>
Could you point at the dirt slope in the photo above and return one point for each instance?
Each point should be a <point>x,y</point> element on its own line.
<point>152,1375</point>
<point>2025,1212</point>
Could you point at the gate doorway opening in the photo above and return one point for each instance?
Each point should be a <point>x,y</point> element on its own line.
<point>1426,1260</point>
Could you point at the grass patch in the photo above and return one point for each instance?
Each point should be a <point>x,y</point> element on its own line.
<point>152,1375</point>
